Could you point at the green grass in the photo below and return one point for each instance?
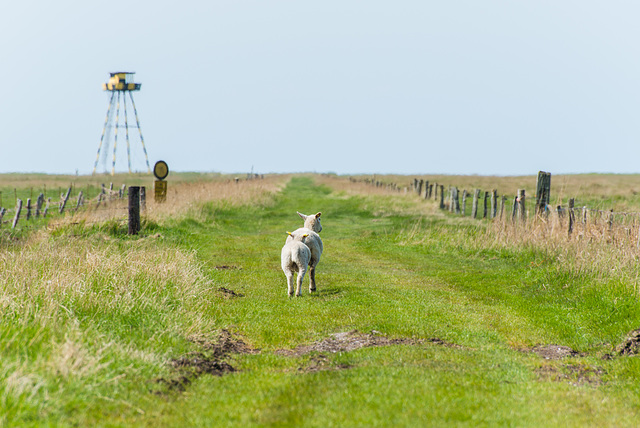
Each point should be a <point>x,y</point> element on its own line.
<point>90,351</point>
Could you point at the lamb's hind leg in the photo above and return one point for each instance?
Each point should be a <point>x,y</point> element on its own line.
<point>312,278</point>
<point>289,283</point>
<point>301,273</point>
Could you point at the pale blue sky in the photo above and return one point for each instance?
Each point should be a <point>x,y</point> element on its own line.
<point>459,87</point>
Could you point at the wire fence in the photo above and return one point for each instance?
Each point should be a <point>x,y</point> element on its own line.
<point>519,210</point>
<point>73,201</point>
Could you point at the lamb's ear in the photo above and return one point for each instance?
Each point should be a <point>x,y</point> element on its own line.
<point>304,217</point>
<point>318,215</point>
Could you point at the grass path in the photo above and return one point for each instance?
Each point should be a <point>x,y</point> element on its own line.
<point>483,308</point>
<point>464,320</point>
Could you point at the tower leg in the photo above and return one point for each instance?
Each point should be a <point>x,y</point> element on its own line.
<point>104,129</point>
<point>126,132</point>
<point>135,111</point>
<point>115,142</point>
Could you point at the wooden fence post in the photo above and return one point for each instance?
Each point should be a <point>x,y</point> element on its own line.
<point>610,220</point>
<point>494,203</point>
<point>134,210</point>
<point>451,195</point>
<point>426,189</point>
<point>17,216</point>
<point>560,214</point>
<point>442,196</point>
<point>572,216</point>
<point>474,207</point>
<point>39,203</point>
<point>515,208</point>
<point>456,200</point>
<point>46,208</point>
<point>502,203</point>
<point>419,189</point>
<point>543,190</point>
<point>521,204</point>
<point>80,201</point>
<point>28,208</point>
<point>464,201</point>
<point>486,203</point>
<point>2,213</point>
<point>64,201</point>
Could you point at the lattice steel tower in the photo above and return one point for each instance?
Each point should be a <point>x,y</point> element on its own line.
<point>120,84</point>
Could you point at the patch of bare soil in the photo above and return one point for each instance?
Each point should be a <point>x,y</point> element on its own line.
<point>225,344</point>
<point>228,293</point>
<point>210,360</point>
<point>630,345</point>
<point>227,267</point>
<point>554,352</point>
<point>345,342</point>
<point>192,366</point>
<point>575,374</point>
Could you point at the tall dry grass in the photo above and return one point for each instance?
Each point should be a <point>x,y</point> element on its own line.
<point>595,247</point>
<point>55,294</point>
<point>183,197</point>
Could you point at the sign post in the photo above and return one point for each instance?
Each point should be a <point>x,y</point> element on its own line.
<point>160,170</point>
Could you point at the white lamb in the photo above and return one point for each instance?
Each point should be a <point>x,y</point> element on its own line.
<point>295,257</point>
<point>311,227</point>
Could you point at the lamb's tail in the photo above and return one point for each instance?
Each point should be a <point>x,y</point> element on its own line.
<point>296,258</point>
<point>301,257</point>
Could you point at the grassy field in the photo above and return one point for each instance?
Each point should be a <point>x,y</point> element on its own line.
<point>420,318</point>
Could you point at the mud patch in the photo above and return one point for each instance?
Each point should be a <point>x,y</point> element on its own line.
<point>574,374</point>
<point>227,267</point>
<point>554,352</point>
<point>192,366</point>
<point>210,360</point>
<point>346,342</point>
<point>630,345</point>
<point>228,293</point>
<point>225,344</point>
<point>200,364</point>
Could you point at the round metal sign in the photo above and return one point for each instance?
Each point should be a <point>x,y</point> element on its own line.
<point>161,170</point>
